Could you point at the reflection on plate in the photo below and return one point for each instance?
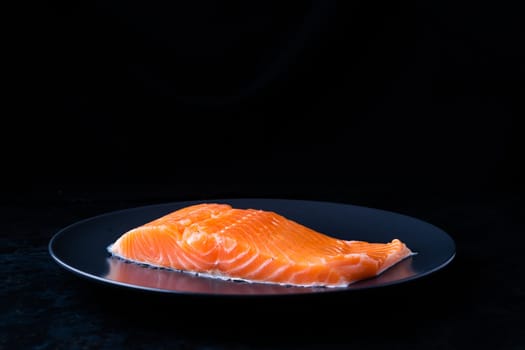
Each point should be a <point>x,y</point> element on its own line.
<point>81,247</point>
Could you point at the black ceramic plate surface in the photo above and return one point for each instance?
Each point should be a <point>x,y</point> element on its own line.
<point>81,248</point>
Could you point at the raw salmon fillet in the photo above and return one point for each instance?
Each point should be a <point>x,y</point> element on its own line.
<point>217,240</point>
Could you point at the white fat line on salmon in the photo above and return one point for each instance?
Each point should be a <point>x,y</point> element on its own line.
<point>245,264</point>
<point>227,244</point>
<point>277,272</point>
<point>233,224</point>
<point>235,258</point>
<point>260,267</point>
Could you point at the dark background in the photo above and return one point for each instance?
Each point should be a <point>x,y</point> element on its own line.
<point>409,97</point>
<point>413,107</point>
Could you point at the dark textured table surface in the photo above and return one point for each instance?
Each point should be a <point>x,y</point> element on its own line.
<point>476,301</point>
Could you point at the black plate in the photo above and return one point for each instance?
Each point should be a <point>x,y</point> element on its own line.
<point>81,247</point>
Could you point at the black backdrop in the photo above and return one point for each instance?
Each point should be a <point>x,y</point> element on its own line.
<point>409,97</point>
<point>410,106</point>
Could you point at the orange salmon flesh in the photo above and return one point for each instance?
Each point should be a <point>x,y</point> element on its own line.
<point>217,241</point>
